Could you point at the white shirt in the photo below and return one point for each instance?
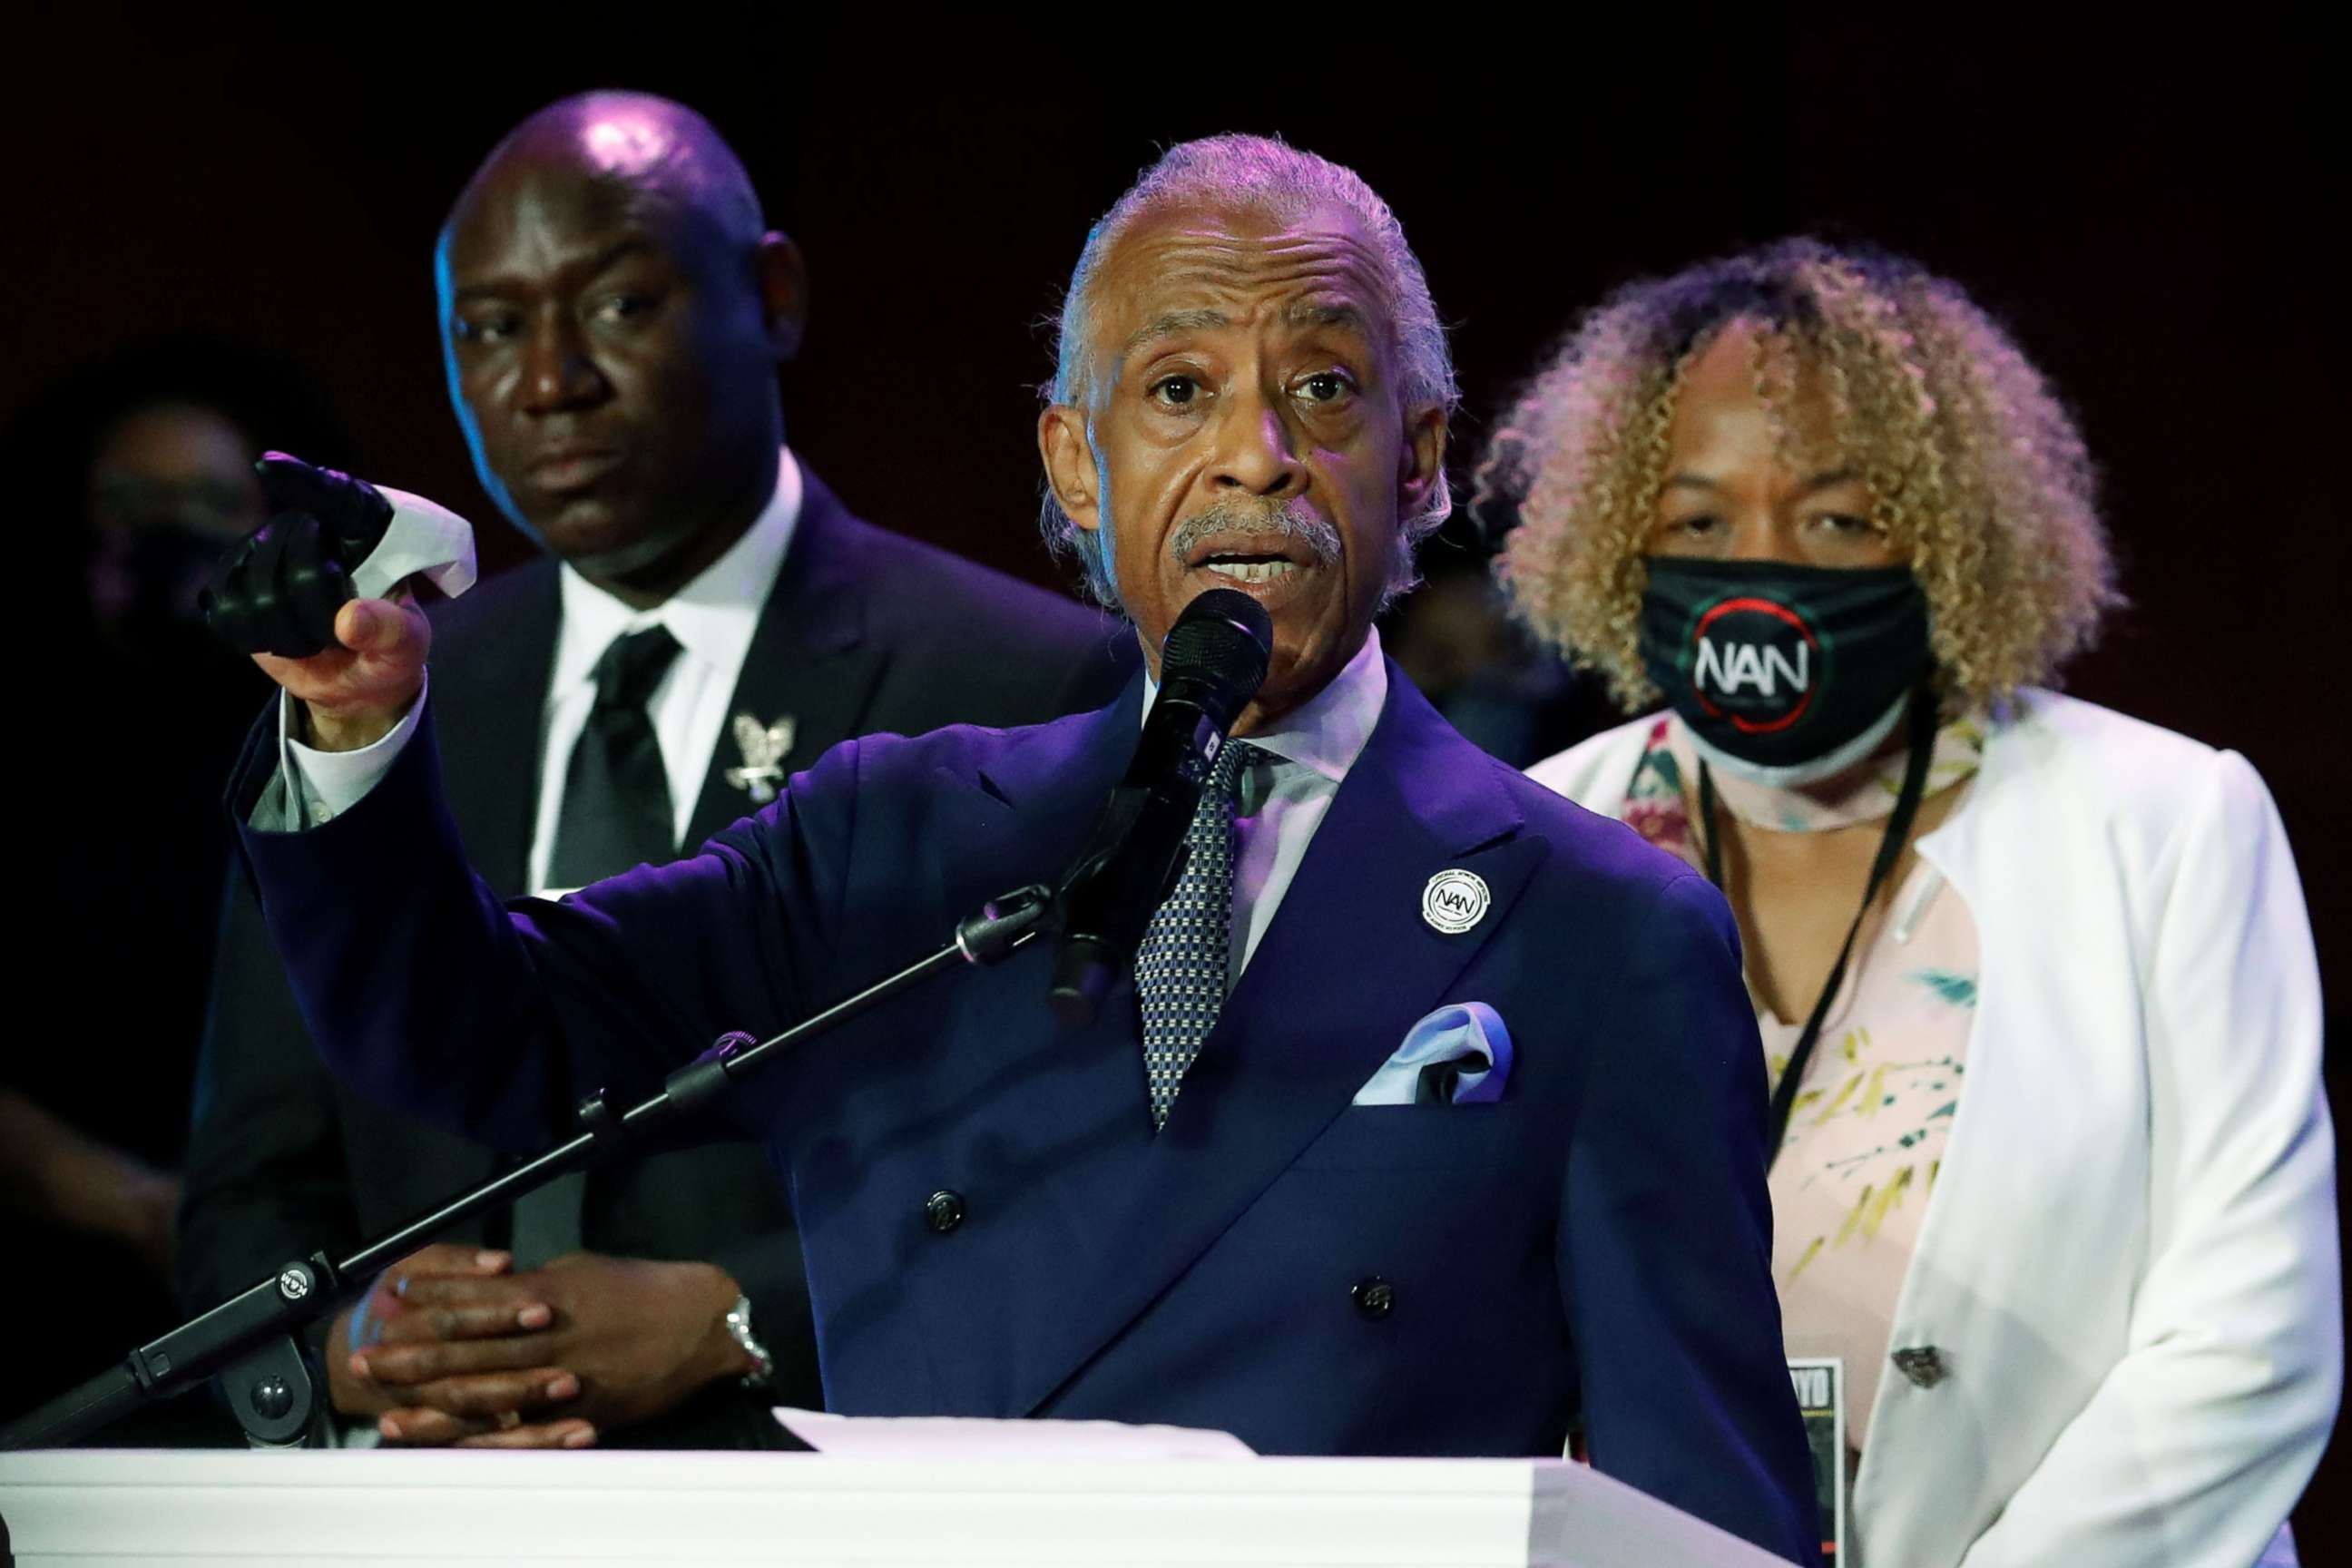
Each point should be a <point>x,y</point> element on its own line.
<point>713,618</point>
<point>1284,802</point>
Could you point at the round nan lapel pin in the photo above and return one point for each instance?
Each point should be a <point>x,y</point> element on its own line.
<point>1455,900</point>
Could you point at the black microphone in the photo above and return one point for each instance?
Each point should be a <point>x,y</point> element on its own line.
<point>1211,666</point>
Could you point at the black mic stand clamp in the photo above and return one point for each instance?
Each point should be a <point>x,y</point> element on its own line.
<point>253,1341</point>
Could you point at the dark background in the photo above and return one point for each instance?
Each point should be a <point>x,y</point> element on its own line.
<point>2146,211</point>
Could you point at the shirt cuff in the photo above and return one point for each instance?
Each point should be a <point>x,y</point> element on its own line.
<point>322,785</point>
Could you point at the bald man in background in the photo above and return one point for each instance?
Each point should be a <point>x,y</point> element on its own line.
<point>614,311</point>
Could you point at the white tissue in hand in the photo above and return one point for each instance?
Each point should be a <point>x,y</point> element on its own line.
<point>423,538</point>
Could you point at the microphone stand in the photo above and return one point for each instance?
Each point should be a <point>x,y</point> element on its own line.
<point>250,1340</point>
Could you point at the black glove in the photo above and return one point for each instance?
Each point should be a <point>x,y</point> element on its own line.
<point>278,590</point>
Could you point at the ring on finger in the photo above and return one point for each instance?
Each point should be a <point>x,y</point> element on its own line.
<point>510,1419</point>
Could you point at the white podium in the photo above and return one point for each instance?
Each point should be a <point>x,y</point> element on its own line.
<point>203,1510</point>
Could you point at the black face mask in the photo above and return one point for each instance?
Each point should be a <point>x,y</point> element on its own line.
<point>1784,674</point>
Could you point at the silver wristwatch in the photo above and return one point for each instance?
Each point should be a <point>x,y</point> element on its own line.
<point>739,1329</point>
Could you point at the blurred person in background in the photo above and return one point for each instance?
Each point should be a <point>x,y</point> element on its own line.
<point>2052,1170</point>
<point>139,473</point>
<point>1512,697</point>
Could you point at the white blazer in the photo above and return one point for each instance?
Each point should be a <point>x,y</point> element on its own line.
<point>2128,1268</point>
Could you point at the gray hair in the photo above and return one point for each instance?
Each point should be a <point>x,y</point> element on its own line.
<point>1267,173</point>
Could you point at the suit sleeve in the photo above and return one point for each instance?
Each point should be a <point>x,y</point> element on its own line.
<point>2199,1441</point>
<point>264,1180</point>
<point>1666,1248</point>
<point>426,994</point>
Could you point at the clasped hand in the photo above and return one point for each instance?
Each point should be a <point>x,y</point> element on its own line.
<point>451,1346</point>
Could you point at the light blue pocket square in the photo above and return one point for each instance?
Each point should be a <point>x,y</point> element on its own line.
<point>1460,1053</point>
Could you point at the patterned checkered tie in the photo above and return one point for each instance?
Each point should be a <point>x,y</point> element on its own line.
<point>1179,969</point>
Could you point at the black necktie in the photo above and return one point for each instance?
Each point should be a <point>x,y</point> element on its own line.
<point>617,807</point>
<point>616,814</point>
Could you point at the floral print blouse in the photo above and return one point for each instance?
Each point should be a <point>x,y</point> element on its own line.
<point>1866,1137</point>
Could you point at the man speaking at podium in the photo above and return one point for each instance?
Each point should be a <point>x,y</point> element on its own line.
<point>1428,1121</point>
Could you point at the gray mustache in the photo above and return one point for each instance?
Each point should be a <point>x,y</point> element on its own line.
<point>1292,520</point>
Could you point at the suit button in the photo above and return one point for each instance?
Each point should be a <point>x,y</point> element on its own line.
<point>943,1211</point>
<point>1923,1364</point>
<point>1374,1297</point>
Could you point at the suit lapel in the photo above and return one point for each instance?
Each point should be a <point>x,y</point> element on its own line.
<point>1312,1018</point>
<point>810,664</point>
<point>488,699</point>
<point>1028,812</point>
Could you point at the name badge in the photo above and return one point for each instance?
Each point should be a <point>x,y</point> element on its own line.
<point>1820,1382</point>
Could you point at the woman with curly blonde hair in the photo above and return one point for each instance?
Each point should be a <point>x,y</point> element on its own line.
<point>2053,1173</point>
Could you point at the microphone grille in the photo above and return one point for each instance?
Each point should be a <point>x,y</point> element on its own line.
<point>1224,638</point>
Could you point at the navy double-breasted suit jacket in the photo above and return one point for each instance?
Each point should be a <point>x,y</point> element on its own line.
<point>1594,1246</point>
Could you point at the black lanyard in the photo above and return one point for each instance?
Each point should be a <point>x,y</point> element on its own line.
<point>1922,720</point>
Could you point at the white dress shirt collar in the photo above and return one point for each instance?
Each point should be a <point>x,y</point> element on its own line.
<point>713,618</point>
<point>1282,803</point>
<point>1329,730</point>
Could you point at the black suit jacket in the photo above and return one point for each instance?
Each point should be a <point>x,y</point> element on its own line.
<point>865,631</point>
